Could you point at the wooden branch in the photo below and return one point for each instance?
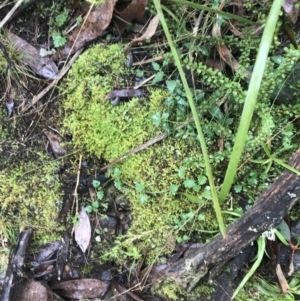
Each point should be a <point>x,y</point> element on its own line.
<point>266,213</point>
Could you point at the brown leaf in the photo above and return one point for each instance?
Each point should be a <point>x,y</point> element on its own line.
<point>30,56</point>
<point>48,251</point>
<point>81,288</point>
<point>83,230</point>
<point>289,6</point>
<point>281,279</point>
<point>150,31</point>
<point>55,142</point>
<point>215,64</point>
<point>135,10</point>
<point>32,291</point>
<point>226,55</point>
<point>93,27</point>
<point>124,93</point>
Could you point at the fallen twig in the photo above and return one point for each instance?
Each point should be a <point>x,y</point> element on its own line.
<point>142,147</point>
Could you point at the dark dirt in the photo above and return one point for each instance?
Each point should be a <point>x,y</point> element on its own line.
<point>27,130</point>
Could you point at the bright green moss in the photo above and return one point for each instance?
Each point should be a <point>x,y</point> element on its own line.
<point>171,290</point>
<point>30,199</point>
<point>146,178</point>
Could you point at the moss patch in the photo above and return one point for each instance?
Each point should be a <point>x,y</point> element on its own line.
<point>30,196</point>
<point>153,179</point>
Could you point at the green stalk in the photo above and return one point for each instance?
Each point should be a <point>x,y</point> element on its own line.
<point>195,116</point>
<point>261,242</point>
<point>251,98</point>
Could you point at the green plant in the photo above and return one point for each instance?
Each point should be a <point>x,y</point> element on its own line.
<point>99,201</point>
<point>195,116</point>
<point>57,36</point>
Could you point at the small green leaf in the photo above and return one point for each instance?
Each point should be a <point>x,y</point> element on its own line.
<point>156,118</point>
<point>238,188</point>
<point>58,39</point>
<point>202,179</point>
<point>88,209</point>
<point>100,195</point>
<point>171,85</point>
<point>139,187</point>
<point>158,77</point>
<point>79,20</point>
<point>118,184</point>
<point>61,19</point>
<point>95,204</point>
<point>155,66</point>
<point>173,189</point>
<point>96,183</point>
<point>206,194</point>
<point>117,172</point>
<point>139,73</point>
<point>196,188</point>
<point>190,183</point>
<point>181,172</point>
<point>284,230</point>
<point>143,198</point>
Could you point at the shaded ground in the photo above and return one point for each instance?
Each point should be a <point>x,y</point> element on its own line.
<point>30,152</point>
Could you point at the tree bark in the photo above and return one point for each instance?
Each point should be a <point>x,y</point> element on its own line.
<point>266,213</point>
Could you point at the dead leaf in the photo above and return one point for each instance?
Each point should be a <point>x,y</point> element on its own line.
<point>32,291</point>
<point>135,10</point>
<point>93,27</point>
<point>55,142</point>
<point>226,55</point>
<point>124,93</point>
<point>83,230</point>
<point>289,6</point>
<point>281,279</point>
<point>150,31</point>
<point>215,64</point>
<point>48,251</point>
<point>30,56</point>
<point>81,288</point>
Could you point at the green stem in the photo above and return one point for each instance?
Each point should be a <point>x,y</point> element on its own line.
<point>195,116</point>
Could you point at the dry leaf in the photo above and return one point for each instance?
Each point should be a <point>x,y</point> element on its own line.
<point>43,66</point>
<point>32,291</point>
<point>81,288</point>
<point>226,55</point>
<point>281,279</point>
<point>289,6</point>
<point>96,22</point>
<point>135,10</point>
<point>83,230</point>
<point>55,142</point>
<point>150,31</point>
<point>124,93</point>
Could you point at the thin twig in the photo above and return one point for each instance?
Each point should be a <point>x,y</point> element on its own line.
<point>75,194</point>
<point>142,147</point>
<point>11,12</point>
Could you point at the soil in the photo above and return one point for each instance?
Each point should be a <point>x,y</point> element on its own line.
<point>27,130</point>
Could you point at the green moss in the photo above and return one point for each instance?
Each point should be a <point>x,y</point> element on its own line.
<point>146,178</point>
<point>171,290</point>
<point>30,197</point>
